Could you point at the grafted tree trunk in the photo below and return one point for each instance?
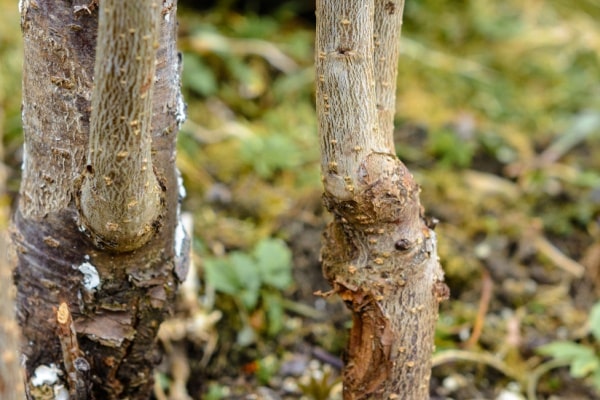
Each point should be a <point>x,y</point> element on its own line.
<point>120,195</point>
<point>379,254</point>
<point>100,251</point>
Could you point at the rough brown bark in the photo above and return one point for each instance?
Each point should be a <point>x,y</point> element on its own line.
<point>378,254</point>
<point>86,312</point>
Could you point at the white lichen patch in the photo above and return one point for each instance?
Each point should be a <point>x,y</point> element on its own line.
<point>179,238</point>
<point>180,186</point>
<point>23,6</point>
<point>180,114</point>
<point>45,375</point>
<point>184,222</point>
<point>91,278</point>
<point>24,157</point>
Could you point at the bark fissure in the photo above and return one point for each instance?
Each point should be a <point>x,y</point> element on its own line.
<point>378,253</point>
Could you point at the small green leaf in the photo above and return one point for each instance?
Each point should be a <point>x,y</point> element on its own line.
<point>236,275</point>
<point>595,320</point>
<point>249,298</point>
<point>220,275</point>
<point>583,366</point>
<point>271,153</point>
<point>563,350</point>
<point>245,269</point>
<point>216,392</point>
<point>248,277</point>
<point>273,304</point>
<point>267,369</point>
<point>274,260</point>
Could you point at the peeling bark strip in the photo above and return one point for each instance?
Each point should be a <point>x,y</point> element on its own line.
<point>120,196</point>
<point>90,315</point>
<point>378,253</point>
<point>76,366</point>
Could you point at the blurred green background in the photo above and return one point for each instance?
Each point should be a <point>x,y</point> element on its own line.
<point>499,121</point>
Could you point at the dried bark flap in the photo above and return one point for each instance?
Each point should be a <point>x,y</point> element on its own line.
<point>368,322</point>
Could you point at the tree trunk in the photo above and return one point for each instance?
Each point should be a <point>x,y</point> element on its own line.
<point>91,292</point>
<point>11,387</point>
<point>379,254</point>
<point>120,195</point>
